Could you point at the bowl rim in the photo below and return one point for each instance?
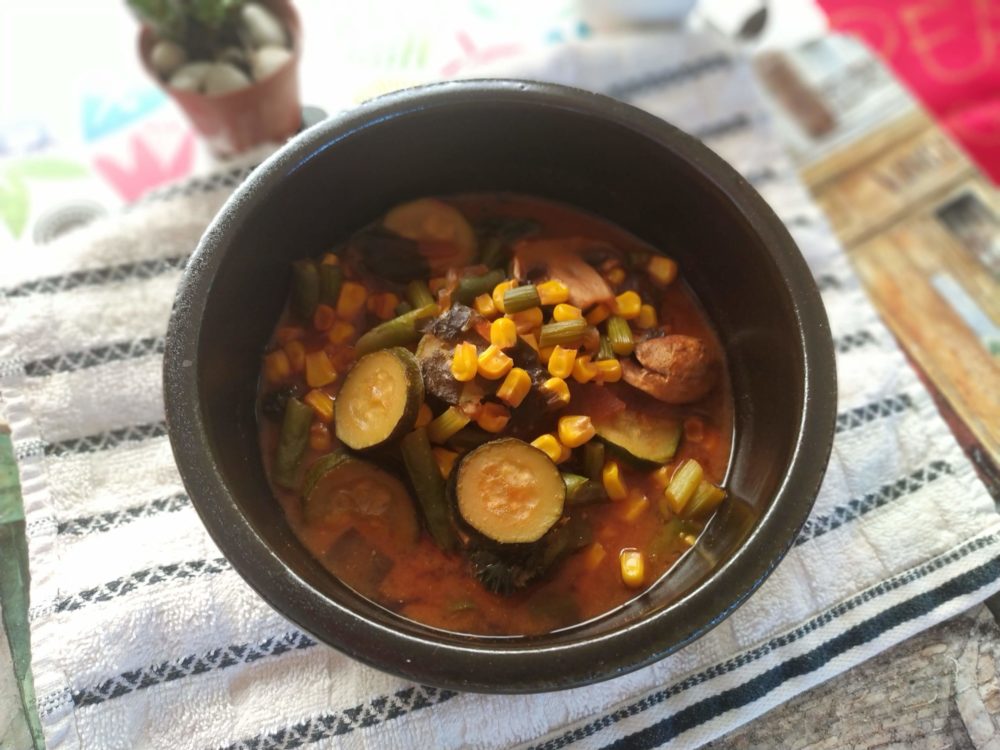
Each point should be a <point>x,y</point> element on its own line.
<point>496,669</point>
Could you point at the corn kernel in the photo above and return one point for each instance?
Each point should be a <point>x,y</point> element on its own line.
<point>493,364</point>
<point>575,430</point>
<point>564,312</point>
<point>503,333</point>
<point>485,307</point>
<point>561,362</point>
<point>321,403</point>
<point>351,300</point>
<point>277,366</point>
<point>598,314</point>
<point>565,453</point>
<point>514,387</point>
<point>296,352</point>
<point>493,417</point>
<point>613,483</point>
<point>340,332</point>
<point>635,506</point>
<point>424,416</point>
<point>498,292</point>
<point>646,317</point>
<point>552,292</point>
<point>608,370</point>
<point>464,363</point>
<point>528,320</point>
<point>661,270</point>
<point>627,305</point>
<point>383,305</point>
<point>557,391</point>
<point>445,460</point>
<point>633,567</point>
<point>289,333</point>
<point>583,369</point>
<point>530,339</point>
<point>319,369</point>
<point>616,276</point>
<point>593,556</point>
<point>323,317</point>
<point>319,437</point>
<point>330,259</point>
<point>549,445</point>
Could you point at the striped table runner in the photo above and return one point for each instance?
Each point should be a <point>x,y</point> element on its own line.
<point>144,636</point>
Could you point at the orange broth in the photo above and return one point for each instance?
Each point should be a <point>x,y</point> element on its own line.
<point>430,586</point>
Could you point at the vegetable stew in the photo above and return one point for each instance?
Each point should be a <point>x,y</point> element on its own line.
<point>495,414</point>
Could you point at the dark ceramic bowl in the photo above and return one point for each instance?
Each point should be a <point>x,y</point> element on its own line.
<point>553,142</point>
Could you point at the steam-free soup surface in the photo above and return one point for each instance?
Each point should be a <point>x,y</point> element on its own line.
<point>388,453</point>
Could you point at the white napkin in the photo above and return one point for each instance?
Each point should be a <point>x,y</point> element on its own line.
<point>143,635</point>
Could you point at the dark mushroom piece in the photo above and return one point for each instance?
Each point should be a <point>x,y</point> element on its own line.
<point>675,369</point>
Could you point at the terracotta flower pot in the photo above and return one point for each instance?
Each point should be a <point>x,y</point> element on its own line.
<point>267,110</point>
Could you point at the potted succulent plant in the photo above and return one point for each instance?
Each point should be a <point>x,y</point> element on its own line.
<point>231,65</point>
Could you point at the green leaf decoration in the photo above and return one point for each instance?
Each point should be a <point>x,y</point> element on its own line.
<point>47,168</point>
<point>13,203</point>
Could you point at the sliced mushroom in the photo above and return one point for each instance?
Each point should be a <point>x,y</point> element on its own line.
<point>562,259</point>
<point>675,369</point>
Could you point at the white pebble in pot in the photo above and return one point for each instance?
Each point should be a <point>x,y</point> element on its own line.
<point>224,77</point>
<point>190,77</point>
<point>166,57</point>
<point>262,26</point>
<point>267,60</point>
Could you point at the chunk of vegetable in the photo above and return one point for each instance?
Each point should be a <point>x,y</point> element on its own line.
<point>620,336</point>
<point>633,568</point>
<point>472,287</point>
<point>682,487</point>
<point>583,491</point>
<point>446,237</point>
<point>567,333</point>
<point>418,295</point>
<point>509,491</point>
<point>292,442</point>
<point>379,400</point>
<point>399,331</point>
<point>704,501</point>
<point>644,438</point>
<point>305,288</point>
<point>425,475</point>
<point>520,298</point>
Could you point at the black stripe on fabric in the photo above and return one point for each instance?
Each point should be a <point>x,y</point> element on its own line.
<point>855,340</point>
<point>817,526</point>
<point>739,121</point>
<point>94,356</point>
<point>105,440</point>
<point>659,79</point>
<point>748,657</point>
<point>335,724</point>
<point>756,688</point>
<point>208,183</point>
<point>140,579</point>
<point>99,522</point>
<point>828,281</point>
<point>143,269</point>
<point>760,177</point>
<point>862,415</point>
<point>168,671</point>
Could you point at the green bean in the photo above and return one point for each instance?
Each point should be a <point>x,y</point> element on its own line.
<point>521,298</point>
<point>418,295</point>
<point>292,442</point>
<point>399,331</point>
<point>403,307</point>
<point>682,487</point>
<point>605,351</point>
<point>705,499</point>
<point>583,491</point>
<point>593,459</point>
<point>305,288</point>
<point>472,286</point>
<point>330,279</point>
<point>568,333</point>
<point>429,487</point>
<point>620,336</point>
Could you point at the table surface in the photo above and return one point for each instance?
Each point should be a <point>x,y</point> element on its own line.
<point>940,689</point>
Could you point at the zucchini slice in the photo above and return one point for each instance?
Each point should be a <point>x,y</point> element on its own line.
<point>509,491</point>
<point>346,492</point>
<point>379,400</point>
<point>643,438</point>
<point>445,236</point>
